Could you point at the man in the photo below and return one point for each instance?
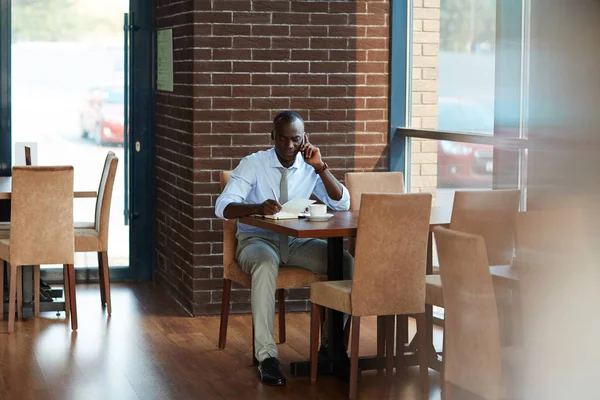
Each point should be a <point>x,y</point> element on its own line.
<point>293,168</point>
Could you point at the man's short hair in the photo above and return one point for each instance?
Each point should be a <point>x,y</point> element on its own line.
<point>287,117</point>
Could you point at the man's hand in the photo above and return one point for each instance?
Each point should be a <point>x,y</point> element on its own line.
<point>270,207</point>
<point>312,154</point>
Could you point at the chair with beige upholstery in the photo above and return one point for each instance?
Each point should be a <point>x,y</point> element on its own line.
<point>389,272</point>
<point>288,277</point>
<point>41,232</point>
<point>93,236</point>
<point>374,182</point>
<point>489,214</point>
<point>472,350</point>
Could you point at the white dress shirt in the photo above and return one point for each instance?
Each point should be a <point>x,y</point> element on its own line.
<point>258,174</point>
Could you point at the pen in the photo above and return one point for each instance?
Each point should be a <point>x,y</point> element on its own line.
<point>274,195</point>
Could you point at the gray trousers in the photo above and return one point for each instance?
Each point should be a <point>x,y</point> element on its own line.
<point>259,257</point>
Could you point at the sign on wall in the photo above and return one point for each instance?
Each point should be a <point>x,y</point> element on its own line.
<point>164,60</point>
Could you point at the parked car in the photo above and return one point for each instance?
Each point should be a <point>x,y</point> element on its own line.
<point>102,116</point>
<point>464,165</point>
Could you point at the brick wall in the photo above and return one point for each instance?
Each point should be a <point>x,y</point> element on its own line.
<point>425,61</point>
<point>237,63</point>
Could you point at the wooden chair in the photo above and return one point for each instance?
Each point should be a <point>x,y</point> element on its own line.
<point>288,278</point>
<point>374,182</point>
<point>41,232</point>
<point>93,237</point>
<point>389,273</point>
<point>489,214</point>
<point>472,349</point>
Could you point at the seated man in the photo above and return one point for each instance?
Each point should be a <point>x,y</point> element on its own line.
<point>292,169</point>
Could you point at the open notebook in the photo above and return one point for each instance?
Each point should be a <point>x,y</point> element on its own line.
<point>292,209</point>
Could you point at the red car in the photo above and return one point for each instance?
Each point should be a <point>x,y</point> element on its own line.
<point>464,165</point>
<point>102,117</point>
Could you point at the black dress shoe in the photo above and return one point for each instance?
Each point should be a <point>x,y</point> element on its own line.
<point>270,373</point>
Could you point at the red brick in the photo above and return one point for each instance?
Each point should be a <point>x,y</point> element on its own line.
<point>287,66</point>
<point>347,55</point>
<point>329,43</point>
<point>251,18</point>
<point>252,91</point>
<point>251,140</point>
<point>370,91</point>
<point>377,79</point>
<point>270,79</point>
<point>290,43</point>
<point>380,8</point>
<point>252,42</point>
<point>328,19</point>
<point>308,30</point>
<point>290,18</point>
<point>212,66</point>
<point>231,54</point>
<point>275,55</point>
<point>307,103</point>
<point>232,5</point>
<point>212,17</point>
<point>379,55</point>
<point>328,67</point>
<point>378,31</point>
<point>231,30</point>
<point>270,5</point>
<point>310,55</point>
<point>258,66</point>
<point>350,32</point>
<point>230,127</point>
<point>234,79</point>
<point>348,7</point>
<point>328,91</point>
<point>231,103</point>
<point>289,91</point>
<point>367,43</point>
<point>377,103</point>
<point>308,79</point>
<point>270,30</point>
<point>251,115</point>
<point>328,115</point>
<point>270,103</point>
<point>347,79</point>
<point>310,6</point>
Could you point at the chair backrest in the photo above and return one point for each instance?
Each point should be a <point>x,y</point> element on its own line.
<point>372,182</point>
<point>391,254</point>
<point>229,234</point>
<point>472,350</point>
<point>41,216</point>
<point>490,214</point>
<point>105,190</point>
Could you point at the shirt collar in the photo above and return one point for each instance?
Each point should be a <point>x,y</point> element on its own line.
<point>274,161</point>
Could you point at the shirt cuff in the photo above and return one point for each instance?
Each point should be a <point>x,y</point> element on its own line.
<point>342,204</point>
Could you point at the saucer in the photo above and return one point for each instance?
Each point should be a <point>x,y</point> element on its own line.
<point>319,218</point>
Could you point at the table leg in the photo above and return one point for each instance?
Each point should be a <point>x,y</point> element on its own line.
<point>337,363</point>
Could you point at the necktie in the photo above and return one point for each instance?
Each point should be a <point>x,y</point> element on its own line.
<point>284,246</point>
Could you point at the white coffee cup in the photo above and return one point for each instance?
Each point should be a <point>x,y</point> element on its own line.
<point>317,209</point>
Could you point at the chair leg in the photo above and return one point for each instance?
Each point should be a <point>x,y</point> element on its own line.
<point>66,292</point>
<point>36,290</point>
<point>105,280</point>
<point>100,280</point>
<point>20,292</point>
<point>72,296</point>
<point>12,293</point>
<point>401,339</point>
<point>354,357</point>
<point>389,345</point>
<point>315,322</point>
<point>254,359</point>
<point>281,303</point>
<point>2,269</point>
<point>423,354</point>
<point>347,333</point>
<point>380,343</point>
<point>225,313</point>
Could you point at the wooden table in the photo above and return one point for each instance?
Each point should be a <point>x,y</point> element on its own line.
<point>5,194</point>
<point>342,224</point>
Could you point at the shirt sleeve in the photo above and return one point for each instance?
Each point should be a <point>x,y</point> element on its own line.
<point>342,204</point>
<point>243,179</point>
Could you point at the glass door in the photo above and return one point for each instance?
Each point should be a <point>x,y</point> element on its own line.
<point>69,103</point>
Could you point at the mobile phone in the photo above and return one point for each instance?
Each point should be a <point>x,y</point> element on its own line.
<point>302,145</point>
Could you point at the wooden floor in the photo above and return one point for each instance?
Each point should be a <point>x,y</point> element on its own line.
<point>150,349</point>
